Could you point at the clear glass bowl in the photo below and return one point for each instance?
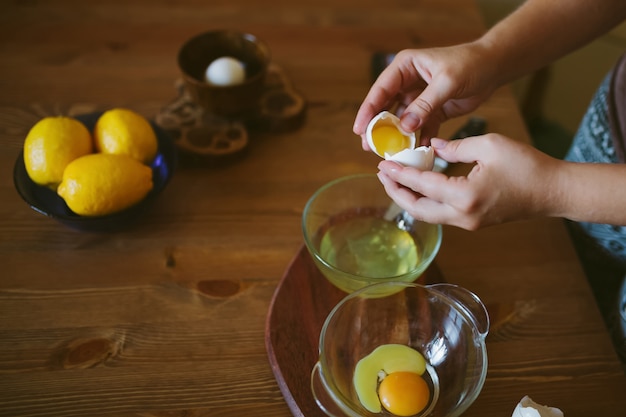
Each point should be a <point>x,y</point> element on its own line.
<point>446,323</point>
<point>361,199</point>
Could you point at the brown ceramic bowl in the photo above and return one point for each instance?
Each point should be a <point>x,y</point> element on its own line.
<point>198,52</point>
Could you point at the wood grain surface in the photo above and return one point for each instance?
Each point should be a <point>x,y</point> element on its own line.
<point>167,318</point>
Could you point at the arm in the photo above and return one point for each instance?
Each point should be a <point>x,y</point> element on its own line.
<point>593,193</point>
<point>541,31</point>
<point>433,85</point>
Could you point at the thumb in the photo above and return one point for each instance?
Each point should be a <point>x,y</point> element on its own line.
<point>460,150</point>
<point>430,101</point>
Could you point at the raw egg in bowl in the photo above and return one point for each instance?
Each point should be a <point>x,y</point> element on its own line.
<point>399,349</point>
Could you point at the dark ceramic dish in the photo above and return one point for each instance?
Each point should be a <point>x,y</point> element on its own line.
<point>197,53</point>
<point>47,202</point>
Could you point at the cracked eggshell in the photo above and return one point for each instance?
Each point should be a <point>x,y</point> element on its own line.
<point>528,408</point>
<point>422,158</point>
<point>386,118</point>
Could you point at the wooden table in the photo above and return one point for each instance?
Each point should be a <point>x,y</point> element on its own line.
<point>167,318</point>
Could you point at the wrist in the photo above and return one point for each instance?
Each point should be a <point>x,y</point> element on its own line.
<point>492,61</point>
<point>551,196</point>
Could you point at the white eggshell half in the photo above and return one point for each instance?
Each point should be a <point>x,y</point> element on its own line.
<point>386,118</point>
<point>422,158</point>
<point>440,164</point>
<point>528,408</point>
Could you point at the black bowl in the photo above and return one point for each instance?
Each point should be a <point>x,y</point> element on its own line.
<point>46,201</point>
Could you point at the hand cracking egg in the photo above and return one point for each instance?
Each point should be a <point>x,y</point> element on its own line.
<point>388,140</point>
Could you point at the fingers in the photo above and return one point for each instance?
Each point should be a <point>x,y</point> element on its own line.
<point>420,207</point>
<point>429,130</point>
<point>430,101</point>
<point>434,185</point>
<point>421,99</point>
<point>364,144</point>
<point>380,95</point>
<point>365,113</point>
<point>468,150</point>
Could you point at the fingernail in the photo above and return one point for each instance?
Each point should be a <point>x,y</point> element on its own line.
<point>438,143</point>
<point>389,166</point>
<point>410,122</point>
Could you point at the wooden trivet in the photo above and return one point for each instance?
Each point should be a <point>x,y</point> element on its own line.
<point>281,108</point>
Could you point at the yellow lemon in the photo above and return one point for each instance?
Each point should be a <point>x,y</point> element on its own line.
<point>51,144</point>
<point>100,184</point>
<point>122,131</point>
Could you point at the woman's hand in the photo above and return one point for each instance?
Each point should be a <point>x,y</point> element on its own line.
<point>509,181</point>
<point>427,87</point>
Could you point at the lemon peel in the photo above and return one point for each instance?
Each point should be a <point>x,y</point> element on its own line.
<point>51,144</point>
<point>99,184</point>
<point>123,131</point>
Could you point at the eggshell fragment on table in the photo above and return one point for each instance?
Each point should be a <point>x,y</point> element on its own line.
<point>389,120</point>
<point>528,408</point>
<point>422,158</point>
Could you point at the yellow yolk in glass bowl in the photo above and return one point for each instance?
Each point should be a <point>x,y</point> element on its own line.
<point>391,377</point>
<point>404,393</point>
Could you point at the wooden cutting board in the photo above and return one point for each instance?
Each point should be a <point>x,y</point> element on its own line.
<point>299,307</point>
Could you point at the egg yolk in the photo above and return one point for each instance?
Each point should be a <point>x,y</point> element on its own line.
<point>388,139</point>
<point>404,393</point>
<point>384,360</point>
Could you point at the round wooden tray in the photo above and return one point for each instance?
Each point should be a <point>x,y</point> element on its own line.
<point>299,307</point>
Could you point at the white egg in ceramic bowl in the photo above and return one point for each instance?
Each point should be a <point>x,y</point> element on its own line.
<point>225,71</point>
<point>388,140</point>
